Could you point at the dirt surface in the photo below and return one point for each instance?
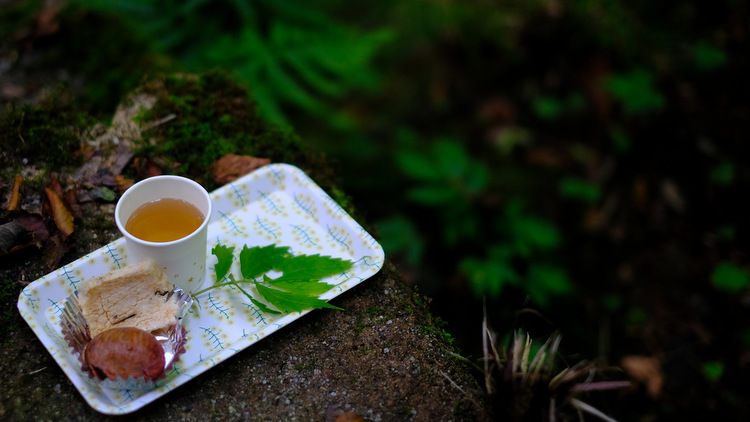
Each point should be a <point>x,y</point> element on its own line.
<point>383,357</point>
<point>377,358</point>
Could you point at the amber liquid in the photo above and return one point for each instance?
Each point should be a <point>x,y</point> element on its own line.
<point>164,220</point>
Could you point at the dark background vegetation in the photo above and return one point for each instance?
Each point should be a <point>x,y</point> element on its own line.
<point>578,167</point>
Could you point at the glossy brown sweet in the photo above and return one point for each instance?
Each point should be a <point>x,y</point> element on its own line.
<point>125,352</point>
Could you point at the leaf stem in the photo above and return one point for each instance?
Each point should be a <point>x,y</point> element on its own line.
<point>228,283</point>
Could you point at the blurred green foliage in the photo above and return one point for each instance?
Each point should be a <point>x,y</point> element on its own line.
<point>464,198</point>
<point>636,92</point>
<point>713,370</point>
<point>583,190</point>
<point>287,52</point>
<point>730,278</point>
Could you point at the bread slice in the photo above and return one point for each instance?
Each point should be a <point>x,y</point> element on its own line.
<point>134,296</point>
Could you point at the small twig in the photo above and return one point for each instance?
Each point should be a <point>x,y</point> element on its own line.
<point>161,121</point>
<point>600,386</point>
<point>552,410</point>
<point>585,407</point>
<point>485,334</point>
<point>465,360</point>
<point>37,371</point>
<point>458,387</point>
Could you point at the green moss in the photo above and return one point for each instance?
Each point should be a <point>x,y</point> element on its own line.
<point>343,200</point>
<point>47,136</point>
<point>213,116</point>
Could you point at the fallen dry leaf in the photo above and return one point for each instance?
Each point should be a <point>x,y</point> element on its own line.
<point>645,370</point>
<point>231,166</point>
<point>146,168</point>
<point>55,249</point>
<point>60,213</point>
<point>71,200</point>
<point>54,184</point>
<point>85,152</point>
<point>123,183</point>
<point>35,224</point>
<point>103,167</point>
<point>16,198</point>
<point>123,155</point>
<point>350,417</point>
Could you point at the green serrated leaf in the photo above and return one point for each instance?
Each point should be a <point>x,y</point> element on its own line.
<point>225,255</point>
<point>263,307</point>
<point>308,287</point>
<point>260,259</point>
<point>311,267</point>
<point>291,302</point>
<point>298,287</point>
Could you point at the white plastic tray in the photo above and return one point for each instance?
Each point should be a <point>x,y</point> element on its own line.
<point>277,204</point>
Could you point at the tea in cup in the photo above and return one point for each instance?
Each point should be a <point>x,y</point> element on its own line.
<point>165,219</point>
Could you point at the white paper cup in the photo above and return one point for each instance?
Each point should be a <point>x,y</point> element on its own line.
<point>184,259</point>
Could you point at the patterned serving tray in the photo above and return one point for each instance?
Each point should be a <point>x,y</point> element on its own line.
<point>276,204</point>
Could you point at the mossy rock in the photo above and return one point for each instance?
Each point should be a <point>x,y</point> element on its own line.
<point>383,357</point>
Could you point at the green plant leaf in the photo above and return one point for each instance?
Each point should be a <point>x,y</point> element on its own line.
<point>713,370</point>
<point>310,267</point>
<point>259,260</point>
<point>433,194</point>
<point>545,281</point>
<point>305,287</point>
<point>548,107</point>
<point>730,278</point>
<point>225,256</point>
<point>580,189</point>
<point>400,235</point>
<point>418,166</point>
<point>708,57</point>
<point>287,302</point>
<point>295,290</point>
<point>263,307</point>
<point>529,233</point>
<point>489,276</point>
<point>451,158</point>
<point>635,91</point>
<point>477,177</point>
